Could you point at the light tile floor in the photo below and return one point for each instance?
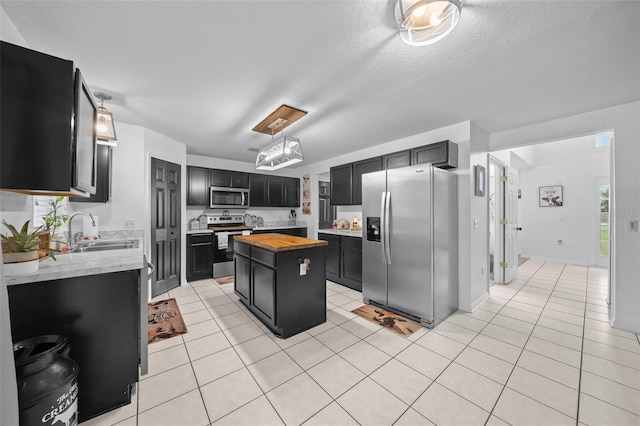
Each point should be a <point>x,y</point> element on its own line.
<point>539,351</point>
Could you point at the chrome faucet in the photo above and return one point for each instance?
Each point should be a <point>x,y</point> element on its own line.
<point>70,239</point>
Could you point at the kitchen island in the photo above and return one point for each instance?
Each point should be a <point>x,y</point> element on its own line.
<point>99,301</point>
<point>281,279</point>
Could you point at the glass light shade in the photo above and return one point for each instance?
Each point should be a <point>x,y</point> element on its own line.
<point>423,22</point>
<point>282,153</point>
<point>105,127</point>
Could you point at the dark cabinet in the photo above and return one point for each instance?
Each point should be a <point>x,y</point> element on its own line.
<point>275,292</point>
<point>199,256</point>
<point>297,232</point>
<point>197,186</point>
<point>341,183</point>
<point>220,178</point>
<point>239,180</point>
<point>291,192</point>
<point>344,260</point>
<point>395,160</point>
<point>442,154</point>
<point>275,189</point>
<point>103,179</point>
<point>42,152</point>
<point>360,168</point>
<point>258,190</point>
<point>100,315</point>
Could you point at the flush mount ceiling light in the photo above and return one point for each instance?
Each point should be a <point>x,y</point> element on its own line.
<point>105,127</point>
<point>284,151</point>
<point>423,22</point>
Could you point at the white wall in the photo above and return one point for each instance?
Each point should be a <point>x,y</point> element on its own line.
<point>624,121</point>
<point>573,223</point>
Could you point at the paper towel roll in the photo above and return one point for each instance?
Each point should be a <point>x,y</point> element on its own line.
<point>88,230</point>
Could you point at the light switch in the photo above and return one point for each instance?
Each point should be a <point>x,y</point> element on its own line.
<point>633,226</point>
<point>475,223</point>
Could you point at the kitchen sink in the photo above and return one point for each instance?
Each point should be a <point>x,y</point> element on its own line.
<point>86,246</point>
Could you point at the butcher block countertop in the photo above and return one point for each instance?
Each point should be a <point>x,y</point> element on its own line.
<point>279,242</point>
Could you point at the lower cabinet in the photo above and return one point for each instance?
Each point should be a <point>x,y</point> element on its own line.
<point>344,260</point>
<point>297,232</point>
<point>270,285</point>
<point>100,315</point>
<point>199,256</point>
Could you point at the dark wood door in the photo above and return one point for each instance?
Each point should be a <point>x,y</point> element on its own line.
<point>263,291</point>
<point>276,191</point>
<point>397,159</point>
<point>103,178</point>
<point>199,256</point>
<point>165,226</point>
<point>291,192</point>
<point>258,190</point>
<point>220,178</point>
<point>360,168</point>
<point>341,184</point>
<point>197,186</point>
<point>242,276</point>
<point>239,180</point>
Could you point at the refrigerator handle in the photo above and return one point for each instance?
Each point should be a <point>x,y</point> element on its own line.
<point>383,203</point>
<point>386,234</point>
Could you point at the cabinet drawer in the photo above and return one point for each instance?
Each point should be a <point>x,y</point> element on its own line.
<point>200,238</point>
<point>332,239</point>
<point>351,242</point>
<point>263,256</point>
<point>241,248</point>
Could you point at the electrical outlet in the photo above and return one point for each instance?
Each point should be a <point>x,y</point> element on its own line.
<point>129,224</point>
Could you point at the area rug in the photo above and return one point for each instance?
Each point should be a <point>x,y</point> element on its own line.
<point>224,280</point>
<point>395,322</point>
<point>164,320</point>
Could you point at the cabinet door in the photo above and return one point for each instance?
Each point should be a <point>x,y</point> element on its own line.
<point>397,159</point>
<point>341,184</point>
<point>360,168</point>
<point>351,262</point>
<point>258,190</point>
<point>332,262</point>
<point>291,192</point>
<point>220,178</point>
<point>200,257</point>
<point>103,178</point>
<point>263,284</point>
<point>242,276</point>
<point>239,180</point>
<point>276,191</point>
<point>197,186</point>
<point>442,154</point>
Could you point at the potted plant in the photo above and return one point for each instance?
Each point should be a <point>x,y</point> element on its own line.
<point>52,221</point>
<point>20,250</point>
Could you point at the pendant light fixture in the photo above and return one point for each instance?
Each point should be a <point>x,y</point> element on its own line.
<point>284,151</point>
<point>423,22</point>
<point>105,127</point>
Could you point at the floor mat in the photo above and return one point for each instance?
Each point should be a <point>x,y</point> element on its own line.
<point>224,280</point>
<point>164,320</point>
<point>384,318</point>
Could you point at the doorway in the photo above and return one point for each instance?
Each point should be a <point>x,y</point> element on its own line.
<point>165,226</point>
<point>601,209</point>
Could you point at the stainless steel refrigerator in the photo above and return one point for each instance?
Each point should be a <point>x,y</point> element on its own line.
<point>410,246</point>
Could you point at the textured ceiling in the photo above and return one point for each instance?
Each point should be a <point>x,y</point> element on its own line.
<point>206,72</point>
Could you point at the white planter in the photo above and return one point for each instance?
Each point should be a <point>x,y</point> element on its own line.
<point>21,268</point>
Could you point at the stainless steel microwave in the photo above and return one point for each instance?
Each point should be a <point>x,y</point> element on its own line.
<point>228,198</point>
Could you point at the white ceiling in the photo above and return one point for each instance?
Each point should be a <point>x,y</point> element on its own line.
<point>206,72</point>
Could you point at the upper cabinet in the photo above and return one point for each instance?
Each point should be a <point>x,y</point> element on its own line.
<point>103,182</point>
<point>360,168</point>
<point>48,131</point>
<point>291,192</point>
<point>346,179</point>
<point>239,180</point>
<point>220,178</point>
<point>197,186</point>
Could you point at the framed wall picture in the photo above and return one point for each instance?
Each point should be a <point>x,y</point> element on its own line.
<point>480,180</point>
<point>551,196</point>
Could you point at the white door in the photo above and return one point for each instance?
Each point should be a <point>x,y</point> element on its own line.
<point>602,223</point>
<point>510,224</point>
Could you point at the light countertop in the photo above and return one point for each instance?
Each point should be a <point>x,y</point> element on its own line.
<point>82,264</point>
<point>345,232</point>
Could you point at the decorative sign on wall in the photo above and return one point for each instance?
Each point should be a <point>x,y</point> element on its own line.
<point>480,173</point>
<point>550,196</point>
<point>306,194</point>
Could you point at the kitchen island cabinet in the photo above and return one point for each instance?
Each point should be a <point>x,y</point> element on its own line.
<point>102,314</point>
<point>344,257</point>
<point>281,280</point>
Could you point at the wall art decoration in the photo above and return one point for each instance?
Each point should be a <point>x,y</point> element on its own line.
<point>551,196</point>
<point>306,194</point>
<point>480,180</point>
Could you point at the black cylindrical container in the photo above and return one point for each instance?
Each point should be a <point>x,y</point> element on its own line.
<point>47,381</point>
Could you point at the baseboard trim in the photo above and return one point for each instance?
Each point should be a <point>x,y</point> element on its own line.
<point>549,259</point>
<point>626,326</point>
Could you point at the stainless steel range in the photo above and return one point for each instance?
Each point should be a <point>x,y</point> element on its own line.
<point>225,228</point>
